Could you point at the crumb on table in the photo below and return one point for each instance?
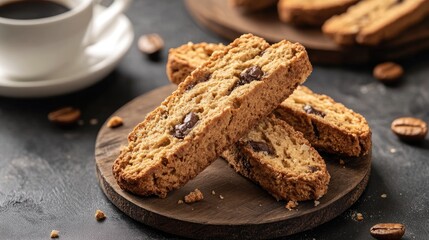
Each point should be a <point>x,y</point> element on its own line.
<point>99,215</point>
<point>316,203</point>
<point>359,217</point>
<point>180,201</point>
<point>291,205</point>
<point>55,234</point>
<point>115,122</point>
<point>194,196</point>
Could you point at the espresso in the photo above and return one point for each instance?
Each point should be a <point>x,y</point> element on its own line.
<point>31,9</point>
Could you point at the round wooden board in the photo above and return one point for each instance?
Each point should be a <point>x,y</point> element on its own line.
<point>246,212</point>
<point>230,23</point>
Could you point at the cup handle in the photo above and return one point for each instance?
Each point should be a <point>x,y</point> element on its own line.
<point>103,21</point>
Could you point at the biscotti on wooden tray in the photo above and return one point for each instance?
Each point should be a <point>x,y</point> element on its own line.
<point>211,110</point>
<point>371,21</point>
<point>311,12</point>
<point>280,160</point>
<point>328,125</point>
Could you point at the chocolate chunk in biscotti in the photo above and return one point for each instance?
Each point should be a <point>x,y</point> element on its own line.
<point>370,22</point>
<point>156,162</point>
<point>343,132</point>
<point>281,161</point>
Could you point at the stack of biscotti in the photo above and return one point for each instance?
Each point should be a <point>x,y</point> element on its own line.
<point>350,22</point>
<point>311,12</point>
<point>328,125</point>
<point>252,5</point>
<point>210,111</point>
<point>372,21</point>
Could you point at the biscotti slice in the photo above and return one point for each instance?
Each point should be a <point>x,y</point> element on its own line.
<point>214,107</point>
<point>311,12</point>
<point>182,60</point>
<point>340,131</point>
<point>328,125</point>
<point>281,161</point>
<point>252,5</point>
<point>371,21</point>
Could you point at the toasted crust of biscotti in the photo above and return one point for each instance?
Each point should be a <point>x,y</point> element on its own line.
<point>311,12</point>
<point>342,131</point>
<point>252,5</point>
<point>289,170</point>
<point>156,162</point>
<point>372,21</point>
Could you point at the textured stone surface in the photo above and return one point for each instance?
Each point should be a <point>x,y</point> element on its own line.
<point>47,173</point>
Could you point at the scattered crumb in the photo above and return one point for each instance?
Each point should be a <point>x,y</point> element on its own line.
<point>93,121</point>
<point>180,201</point>
<point>115,122</point>
<point>400,194</point>
<point>55,234</point>
<point>291,205</point>
<point>213,192</point>
<point>383,195</point>
<point>99,215</point>
<point>359,217</point>
<point>260,204</point>
<point>342,162</point>
<point>194,196</point>
<point>393,150</point>
<point>80,122</point>
<point>221,197</point>
<point>192,209</point>
<point>316,203</point>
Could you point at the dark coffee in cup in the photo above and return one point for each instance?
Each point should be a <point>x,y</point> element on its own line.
<point>31,9</point>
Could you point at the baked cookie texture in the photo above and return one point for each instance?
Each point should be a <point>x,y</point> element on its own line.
<point>182,60</point>
<point>213,108</point>
<point>328,125</point>
<point>280,160</point>
<point>311,12</point>
<point>252,5</point>
<point>372,21</point>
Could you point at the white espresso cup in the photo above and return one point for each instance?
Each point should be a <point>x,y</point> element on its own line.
<point>32,49</point>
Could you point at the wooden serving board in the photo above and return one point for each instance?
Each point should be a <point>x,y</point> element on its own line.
<point>230,23</point>
<point>246,212</point>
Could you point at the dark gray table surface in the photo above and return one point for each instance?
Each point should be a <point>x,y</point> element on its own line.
<point>47,173</point>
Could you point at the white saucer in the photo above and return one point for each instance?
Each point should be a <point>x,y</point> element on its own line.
<point>96,63</point>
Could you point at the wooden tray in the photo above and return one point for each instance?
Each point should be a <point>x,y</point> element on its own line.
<point>230,23</point>
<point>246,212</point>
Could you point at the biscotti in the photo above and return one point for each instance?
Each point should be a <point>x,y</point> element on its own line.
<point>182,60</point>
<point>281,161</point>
<point>328,125</point>
<point>311,12</point>
<point>252,5</point>
<point>336,129</point>
<point>214,107</point>
<point>371,21</point>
